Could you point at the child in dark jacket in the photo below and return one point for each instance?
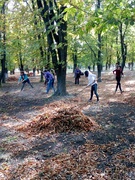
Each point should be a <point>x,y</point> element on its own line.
<point>118,72</point>
<point>78,74</point>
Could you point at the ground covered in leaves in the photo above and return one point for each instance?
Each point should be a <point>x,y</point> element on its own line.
<point>43,137</point>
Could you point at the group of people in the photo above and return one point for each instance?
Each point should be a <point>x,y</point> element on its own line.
<point>49,80</point>
<point>92,80</point>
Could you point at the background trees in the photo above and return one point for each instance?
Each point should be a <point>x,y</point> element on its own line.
<point>38,34</point>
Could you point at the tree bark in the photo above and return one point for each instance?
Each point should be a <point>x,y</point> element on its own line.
<point>59,39</point>
<point>123,46</point>
<point>3,59</point>
<point>99,61</point>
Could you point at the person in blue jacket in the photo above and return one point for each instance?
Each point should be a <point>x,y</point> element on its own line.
<point>49,79</point>
<point>24,79</point>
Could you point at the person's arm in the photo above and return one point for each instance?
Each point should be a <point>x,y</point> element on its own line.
<point>89,84</point>
<point>25,77</point>
<point>92,80</point>
<point>19,80</point>
<point>47,76</point>
<point>94,76</point>
<point>114,71</point>
<point>122,73</point>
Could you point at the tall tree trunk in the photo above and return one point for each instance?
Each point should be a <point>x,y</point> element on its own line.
<point>123,46</point>
<point>3,57</point>
<point>59,54</point>
<point>74,60</point>
<point>62,52</point>
<point>75,63</point>
<point>117,51</point>
<point>1,63</point>
<point>99,61</point>
<point>21,61</point>
<point>42,53</point>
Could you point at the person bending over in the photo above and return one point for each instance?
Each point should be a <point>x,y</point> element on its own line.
<point>24,79</point>
<point>93,83</point>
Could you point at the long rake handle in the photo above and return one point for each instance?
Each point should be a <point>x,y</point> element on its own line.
<point>81,90</point>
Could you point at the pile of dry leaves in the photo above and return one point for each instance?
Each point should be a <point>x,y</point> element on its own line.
<point>62,120</point>
<point>12,78</point>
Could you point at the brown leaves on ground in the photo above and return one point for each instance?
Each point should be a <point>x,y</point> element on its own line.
<point>12,78</point>
<point>99,146</point>
<point>62,120</point>
<point>63,166</point>
<point>130,100</point>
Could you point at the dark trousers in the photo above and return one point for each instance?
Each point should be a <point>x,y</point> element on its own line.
<point>118,79</point>
<point>76,80</point>
<point>94,90</point>
<point>24,82</point>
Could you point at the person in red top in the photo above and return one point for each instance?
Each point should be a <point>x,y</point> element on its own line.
<point>118,72</point>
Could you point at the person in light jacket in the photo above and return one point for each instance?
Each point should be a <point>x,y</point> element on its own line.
<point>93,83</point>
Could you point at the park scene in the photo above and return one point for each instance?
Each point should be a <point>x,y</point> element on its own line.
<point>67,90</point>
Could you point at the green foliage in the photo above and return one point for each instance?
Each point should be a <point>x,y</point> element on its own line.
<point>84,23</point>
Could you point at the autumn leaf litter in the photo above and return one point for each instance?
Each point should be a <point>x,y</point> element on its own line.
<point>99,148</point>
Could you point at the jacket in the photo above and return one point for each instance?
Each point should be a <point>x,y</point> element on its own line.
<point>23,77</point>
<point>91,79</point>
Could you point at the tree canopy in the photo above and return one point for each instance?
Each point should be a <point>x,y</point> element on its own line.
<point>38,34</point>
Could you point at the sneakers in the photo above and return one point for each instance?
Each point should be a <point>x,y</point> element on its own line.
<point>89,100</point>
<point>120,92</point>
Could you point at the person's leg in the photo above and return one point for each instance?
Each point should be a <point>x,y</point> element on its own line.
<point>117,79</point>
<point>95,91</point>
<point>23,84</point>
<point>119,84</point>
<point>91,96</point>
<point>75,80</point>
<point>49,85</point>
<point>28,81</point>
<point>53,86</point>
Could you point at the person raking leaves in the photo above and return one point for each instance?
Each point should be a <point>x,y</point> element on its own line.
<point>24,79</point>
<point>49,80</point>
<point>93,83</point>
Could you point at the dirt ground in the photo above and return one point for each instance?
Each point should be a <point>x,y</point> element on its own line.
<point>105,152</point>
